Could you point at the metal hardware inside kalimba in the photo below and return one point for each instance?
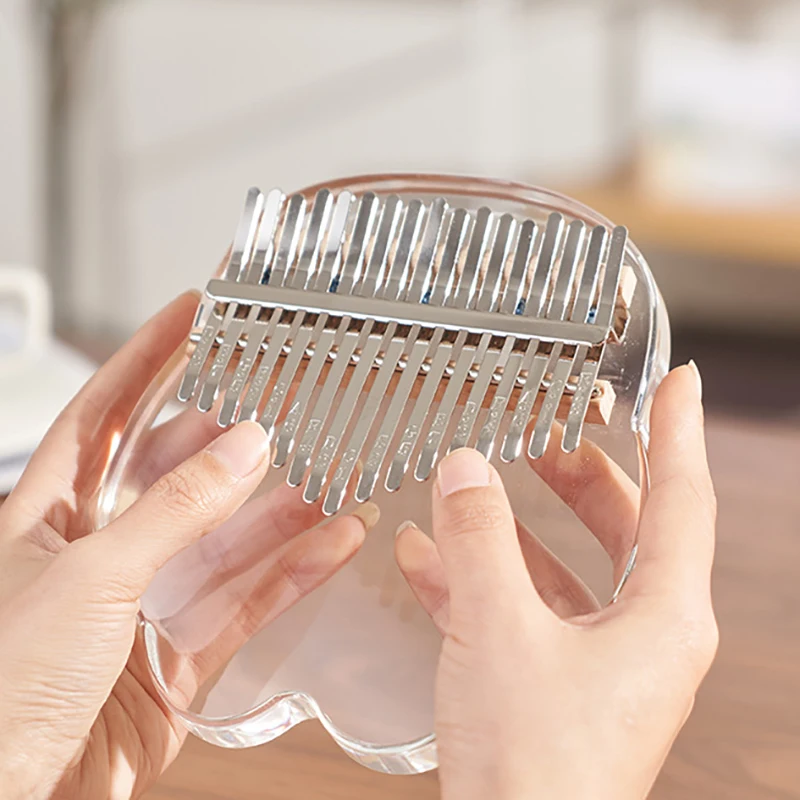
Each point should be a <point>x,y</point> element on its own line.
<point>434,307</point>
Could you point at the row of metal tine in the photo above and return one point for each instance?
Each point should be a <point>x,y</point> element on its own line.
<point>413,253</point>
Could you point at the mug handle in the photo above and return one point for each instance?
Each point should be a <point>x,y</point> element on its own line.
<point>29,286</point>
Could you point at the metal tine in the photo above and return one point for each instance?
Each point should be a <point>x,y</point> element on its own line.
<point>511,303</point>
<point>264,249</point>
<point>533,363</point>
<point>265,329</point>
<point>573,428</point>
<point>537,292</point>
<point>512,296</point>
<point>560,367</point>
<point>240,252</point>
<point>301,336</point>
<point>503,242</point>
<point>479,388</point>
<point>392,348</point>
<point>369,346</point>
<point>439,295</point>
<point>413,350</point>
<point>245,235</point>
<point>466,357</point>
<point>290,237</point>
<point>611,277</point>
<point>257,332</point>
<point>317,226</point>
<point>243,320</point>
<point>342,343</point>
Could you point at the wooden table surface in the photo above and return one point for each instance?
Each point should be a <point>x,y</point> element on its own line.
<point>743,739</point>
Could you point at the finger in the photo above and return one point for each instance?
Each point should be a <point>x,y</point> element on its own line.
<point>179,509</point>
<point>476,535</point>
<point>421,565</point>
<point>299,568</point>
<point>600,493</point>
<point>419,561</point>
<point>75,450</point>
<point>558,586</point>
<point>676,537</point>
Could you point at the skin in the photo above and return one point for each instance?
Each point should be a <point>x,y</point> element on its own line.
<point>605,691</point>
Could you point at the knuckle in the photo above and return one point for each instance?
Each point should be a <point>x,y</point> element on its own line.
<point>194,488</point>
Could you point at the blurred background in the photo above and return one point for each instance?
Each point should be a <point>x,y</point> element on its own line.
<point>131,129</point>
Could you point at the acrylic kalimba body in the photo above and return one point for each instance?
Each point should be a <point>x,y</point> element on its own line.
<point>372,325</point>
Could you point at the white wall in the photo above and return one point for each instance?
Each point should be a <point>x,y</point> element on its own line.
<point>20,135</point>
<point>186,103</point>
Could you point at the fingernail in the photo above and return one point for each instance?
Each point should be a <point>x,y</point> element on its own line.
<point>464,468</point>
<point>242,449</point>
<point>369,514</point>
<point>404,526</point>
<point>698,378</point>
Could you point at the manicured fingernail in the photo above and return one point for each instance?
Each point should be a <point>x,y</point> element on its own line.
<point>404,526</point>
<point>369,514</point>
<point>242,449</point>
<point>698,378</point>
<point>464,468</point>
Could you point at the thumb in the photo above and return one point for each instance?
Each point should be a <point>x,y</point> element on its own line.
<point>178,509</point>
<point>476,535</point>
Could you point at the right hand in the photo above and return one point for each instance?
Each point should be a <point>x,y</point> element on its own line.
<point>569,701</point>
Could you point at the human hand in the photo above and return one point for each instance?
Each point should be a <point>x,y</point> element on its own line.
<point>569,701</point>
<point>79,715</point>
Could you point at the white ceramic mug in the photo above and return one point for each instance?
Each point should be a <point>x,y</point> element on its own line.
<point>30,294</point>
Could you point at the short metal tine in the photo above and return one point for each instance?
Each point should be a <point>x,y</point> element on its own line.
<point>290,236</point>
<point>399,465</point>
<point>444,413</point>
<point>580,404</point>
<point>540,281</point>
<point>300,338</point>
<point>444,278</point>
<point>374,274</point>
<point>591,273</point>
<point>565,280</point>
<point>332,254</point>
<point>396,280</point>
<point>502,396</point>
<point>256,332</point>
<point>611,276</point>
<point>423,267</point>
<point>245,234</point>
<point>503,242</point>
<point>317,227</point>
<point>294,416</point>
<point>264,247</point>
<point>359,240</point>
<point>366,417</point>
<point>346,344</point>
<point>230,341</point>
<point>344,412</point>
<point>416,352</point>
<point>512,296</point>
<point>200,356</point>
<point>552,399</point>
<point>468,280</point>
<point>512,444</point>
<point>479,388</point>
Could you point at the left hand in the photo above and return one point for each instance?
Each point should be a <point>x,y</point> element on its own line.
<point>79,714</point>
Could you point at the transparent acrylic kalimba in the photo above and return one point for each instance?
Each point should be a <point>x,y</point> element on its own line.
<point>372,325</point>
